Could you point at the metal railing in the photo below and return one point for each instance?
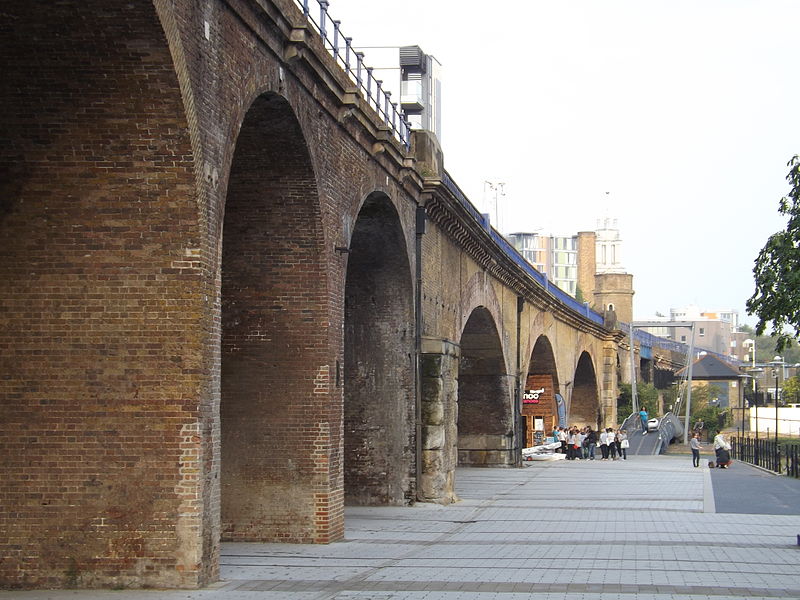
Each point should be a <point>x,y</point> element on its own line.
<point>764,453</point>
<point>632,423</point>
<point>670,427</point>
<point>792,460</point>
<point>341,49</point>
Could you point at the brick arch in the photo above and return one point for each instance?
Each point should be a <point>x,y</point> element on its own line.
<point>98,280</point>
<point>542,374</point>
<point>379,442</point>
<point>479,293</point>
<point>274,395</point>
<point>485,415</point>
<point>584,406</point>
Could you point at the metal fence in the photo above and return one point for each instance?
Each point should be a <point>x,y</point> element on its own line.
<point>767,454</point>
<point>670,427</point>
<point>343,52</point>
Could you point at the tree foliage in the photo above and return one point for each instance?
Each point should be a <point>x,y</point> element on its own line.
<point>791,390</point>
<point>766,347</point>
<point>776,300</point>
<point>646,395</point>
<point>704,408</point>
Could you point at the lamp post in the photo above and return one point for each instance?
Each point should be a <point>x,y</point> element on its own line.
<point>756,372</point>
<point>776,362</point>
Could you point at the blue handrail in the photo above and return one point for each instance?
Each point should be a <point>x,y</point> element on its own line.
<point>559,294</point>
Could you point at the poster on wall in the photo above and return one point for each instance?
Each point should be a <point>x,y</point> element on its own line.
<point>561,407</point>
<point>538,423</point>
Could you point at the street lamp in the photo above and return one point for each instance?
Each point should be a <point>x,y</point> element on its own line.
<point>776,362</point>
<point>756,371</point>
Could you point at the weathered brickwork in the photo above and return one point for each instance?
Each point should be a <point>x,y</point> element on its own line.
<point>485,395</point>
<point>208,298</point>
<point>100,279</point>
<point>379,446</point>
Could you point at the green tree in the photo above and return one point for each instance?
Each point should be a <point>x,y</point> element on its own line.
<point>791,390</point>
<point>703,395</point>
<point>766,347</point>
<point>646,394</point>
<point>776,300</point>
<point>704,409</point>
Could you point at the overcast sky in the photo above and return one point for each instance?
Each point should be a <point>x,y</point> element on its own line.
<point>675,117</point>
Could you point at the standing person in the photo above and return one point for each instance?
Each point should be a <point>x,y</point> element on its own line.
<point>584,444</point>
<point>622,444</point>
<point>562,437</point>
<point>570,444</point>
<point>723,451</point>
<point>591,442</point>
<point>604,444</point>
<point>577,444</point>
<point>695,445</point>
<point>612,443</point>
<point>643,417</point>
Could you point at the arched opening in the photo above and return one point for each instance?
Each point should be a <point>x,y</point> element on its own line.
<point>485,416</point>
<point>543,406</point>
<point>274,339</point>
<point>585,403</point>
<point>379,448</point>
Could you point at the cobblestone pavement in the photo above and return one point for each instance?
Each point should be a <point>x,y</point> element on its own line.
<point>645,528</point>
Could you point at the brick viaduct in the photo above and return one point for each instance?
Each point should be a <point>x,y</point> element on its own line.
<point>232,304</point>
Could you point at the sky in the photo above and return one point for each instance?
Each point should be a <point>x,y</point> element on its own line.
<point>675,117</point>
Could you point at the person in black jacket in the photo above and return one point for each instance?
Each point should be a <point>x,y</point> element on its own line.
<point>591,443</point>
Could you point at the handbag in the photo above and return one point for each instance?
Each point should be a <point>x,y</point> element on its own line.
<point>625,444</point>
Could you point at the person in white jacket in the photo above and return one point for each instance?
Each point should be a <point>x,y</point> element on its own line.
<point>722,449</point>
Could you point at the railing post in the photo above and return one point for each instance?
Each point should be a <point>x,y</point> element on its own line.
<point>347,42</point>
<point>323,11</point>
<point>378,92</point>
<point>336,38</point>
<point>386,101</point>
<point>359,66</point>
<point>305,8</point>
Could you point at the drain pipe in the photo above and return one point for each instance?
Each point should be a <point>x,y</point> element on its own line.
<point>420,231</point>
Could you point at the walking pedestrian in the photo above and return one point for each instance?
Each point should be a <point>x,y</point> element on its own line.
<point>643,417</point>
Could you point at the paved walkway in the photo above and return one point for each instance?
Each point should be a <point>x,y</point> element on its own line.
<point>645,528</point>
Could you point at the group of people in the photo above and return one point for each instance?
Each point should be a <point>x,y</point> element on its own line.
<point>722,450</point>
<point>581,444</point>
